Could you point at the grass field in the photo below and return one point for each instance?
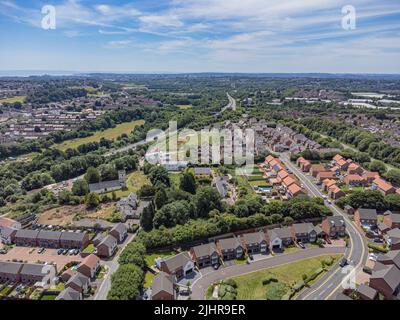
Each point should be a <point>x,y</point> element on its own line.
<point>110,134</point>
<point>185,107</point>
<point>13,99</point>
<point>134,182</point>
<point>250,286</point>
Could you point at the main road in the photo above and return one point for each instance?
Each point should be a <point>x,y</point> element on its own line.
<point>357,253</point>
<point>230,105</point>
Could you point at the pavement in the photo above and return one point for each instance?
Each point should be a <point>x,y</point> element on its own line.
<point>200,287</point>
<point>357,254</point>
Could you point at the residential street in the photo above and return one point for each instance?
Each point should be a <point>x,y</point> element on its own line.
<point>199,288</point>
<point>357,254</point>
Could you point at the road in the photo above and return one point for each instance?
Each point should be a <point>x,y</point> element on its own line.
<point>230,105</point>
<point>357,254</point>
<point>200,287</point>
<point>112,265</point>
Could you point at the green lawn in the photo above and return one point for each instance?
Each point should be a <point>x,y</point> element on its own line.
<point>150,258</point>
<point>148,279</point>
<point>89,249</point>
<point>250,286</point>
<point>49,297</point>
<point>13,99</point>
<point>259,183</point>
<point>110,134</point>
<point>134,182</point>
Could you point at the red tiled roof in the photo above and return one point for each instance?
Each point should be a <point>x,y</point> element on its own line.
<point>91,260</point>
<point>337,157</point>
<point>329,182</point>
<point>6,222</point>
<point>288,181</point>
<point>294,188</point>
<point>283,174</point>
<point>382,184</point>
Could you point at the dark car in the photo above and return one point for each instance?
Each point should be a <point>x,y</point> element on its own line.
<point>367,270</point>
<point>378,240</point>
<point>251,257</point>
<point>301,245</point>
<point>343,262</point>
<point>60,251</point>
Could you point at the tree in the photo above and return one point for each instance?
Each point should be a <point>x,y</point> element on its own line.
<point>92,200</point>
<point>161,198</point>
<point>80,188</point>
<point>205,200</point>
<point>188,183</point>
<point>393,202</point>
<point>178,212</point>
<point>64,197</point>
<point>92,175</point>
<point>146,191</point>
<point>393,176</point>
<point>134,254</point>
<point>378,166</point>
<point>126,283</point>
<point>146,219</point>
<point>159,174</point>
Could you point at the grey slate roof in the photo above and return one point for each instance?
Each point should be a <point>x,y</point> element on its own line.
<point>49,235</point>
<point>72,236</point>
<point>390,274</point>
<point>336,221</point>
<point>34,269</point>
<point>254,237</point>
<point>79,279</point>
<point>394,233</point>
<point>120,228</point>
<point>228,244</point>
<point>178,261</point>
<point>282,233</point>
<point>391,257</point>
<point>108,241</point>
<point>367,291</point>
<point>10,267</point>
<point>395,217</point>
<point>204,250</point>
<point>68,294</point>
<point>26,233</point>
<point>93,187</point>
<point>369,214</point>
<point>303,227</point>
<point>162,282</point>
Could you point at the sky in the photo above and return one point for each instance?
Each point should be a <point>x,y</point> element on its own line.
<point>155,36</point>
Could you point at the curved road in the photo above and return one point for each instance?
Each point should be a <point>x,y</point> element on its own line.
<point>230,105</point>
<point>357,254</point>
<point>200,286</point>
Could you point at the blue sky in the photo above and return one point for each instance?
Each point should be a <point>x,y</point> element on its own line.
<point>201,36</point>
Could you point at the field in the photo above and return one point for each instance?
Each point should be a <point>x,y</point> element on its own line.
<point>250,286</point>
<point>13,99</point>
<point>134,182</point>
<point>110,134</point>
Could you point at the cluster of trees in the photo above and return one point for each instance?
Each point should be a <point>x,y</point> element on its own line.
<point>48,95</point>
<point>362,140</point>
<point>128,280</point>
<point>371,199</point>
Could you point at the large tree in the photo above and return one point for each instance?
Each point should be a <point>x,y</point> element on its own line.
<point>126,283</point>
<point>188,183</point>
<point>92,175</point>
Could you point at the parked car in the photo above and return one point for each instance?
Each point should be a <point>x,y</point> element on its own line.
<point>71,252</point>
<point>378,240</point>
<point>2,251</point>
<point>60,251</point>
<point>216,266</point>
<point>367,270</point>
<point>251,257</point>
<point>76,252</point>
<point>65,252</point>
<point>301,245</point>
<point>343,263</point>
<point>41,250</point>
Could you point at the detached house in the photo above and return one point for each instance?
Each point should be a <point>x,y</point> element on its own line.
<point>79,282</point>
<point>392,220</point>
<point>366,217</point>
<point>255,242</point>
<point>316,169</point>
<point>354,168</point>
<point>393,239</point>
<point>280,237</point>
<point>89,266</point>
<point>294,190</point>
<point>119,232</point>
<point>230,249</point>
<point>387,282</point>
<point>334,226</point>
<point>304,164</point>
<point>334,192</point>
<point>205,255</point>
<point>383,186</point>
<point>326,184</point>
<point>321,176</point>
<point>163,287</point>
<point>69,294</point>
<point>304,232</point>
<point>179,265</point>
<point>107,247</point>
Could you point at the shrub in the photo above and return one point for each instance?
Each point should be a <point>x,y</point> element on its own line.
<point>377,247</point>
<point>267,280</point>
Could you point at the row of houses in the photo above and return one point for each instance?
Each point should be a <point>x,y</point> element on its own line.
<point>27,273</point>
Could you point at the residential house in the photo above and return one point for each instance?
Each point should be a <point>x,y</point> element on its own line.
<point>393,239</point>
<point>316,169</point>
<point>179,265</point>
<point>205,255</point>
<point>69,294</point>
<point>26,238</point>
<point>230,248</point>
<point>163,287</point>
<point>10,225</point>
<point>304,164</point>
<point>337,158</point>
<point>79,282</point>
<point>304,232</point>
<point>366,217</point>
<point>324,175</point>
<point>334,192</point>
<point>49,239</point>
<point>89,266</point>
<point>355,180</point>
<point>294,190</point>
<point>370,176</point>
<point>10,271</point>
<point>354,168</point>
<point>280,237</point>
<point>7,235</point>
<point>255,242</point>
<point>33,273</point>
<point>74,240</point>
<point>119,232</point>
<point>383,186</point>
<point>107,247</point>
<point>392,257</point>
<point>365,292</point>
<point>326,184</point>
<point>392,220</point>
<point>282,175</point>
<point>128,207</point>
<point>386,281</point>
<point>334,226</point>
<point>288,181</point>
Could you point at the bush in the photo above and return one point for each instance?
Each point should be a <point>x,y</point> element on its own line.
<point>377,247</point>
<point>298,286</point>
<point>229,282</point>
<point>267,280</point>
<point>276,291</point>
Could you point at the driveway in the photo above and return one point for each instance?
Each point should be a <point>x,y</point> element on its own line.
<point>200,287</point>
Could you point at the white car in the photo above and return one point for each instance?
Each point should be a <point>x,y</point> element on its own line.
<point>373,257</point>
